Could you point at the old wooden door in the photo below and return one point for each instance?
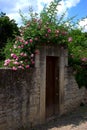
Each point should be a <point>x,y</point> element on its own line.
<point>52,86</point>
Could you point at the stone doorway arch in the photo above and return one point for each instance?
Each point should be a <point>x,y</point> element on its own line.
<point>50,51</point>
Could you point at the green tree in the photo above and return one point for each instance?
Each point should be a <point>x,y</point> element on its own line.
<point>78,56</point>
<point>48,29</point>
<point>8,30</point>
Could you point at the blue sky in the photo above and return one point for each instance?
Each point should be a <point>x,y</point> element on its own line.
<point>75,7</point>
<point>80,9</point>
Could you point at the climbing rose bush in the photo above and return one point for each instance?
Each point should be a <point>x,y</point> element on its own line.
<point>21,54</point>
<point>40,30</point>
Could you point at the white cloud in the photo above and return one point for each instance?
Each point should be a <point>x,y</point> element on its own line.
<point>41,2</point>
<point>13,12</point>
<point>12,7</point>
<point>66,4</point>
<point>20,4</point>
<point>83,24</point>
<point>71,3</point>
<point>16,17</point>
<point>37,5</point>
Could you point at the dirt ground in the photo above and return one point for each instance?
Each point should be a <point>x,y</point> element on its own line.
<point>76,120</point>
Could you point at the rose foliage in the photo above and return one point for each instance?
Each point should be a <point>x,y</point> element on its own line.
<point>43,29</point>
<point>78,56</point>
<point>47,28</point>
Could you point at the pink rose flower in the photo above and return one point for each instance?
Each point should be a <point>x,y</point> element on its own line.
<point>14,68</point>
<point>26,42</point>
<point>14,55</point>
<point>57,31</point>
<point>30,40</point>
<point>84,59</point>
<point>21,54</point>
<point>46,35</point>
<point>20,67</point>
<point>21,40</point>
<point>19,47</point>
<point>32,55</point>
<point>27,66</point>
<point>7,62</point>
<point>15,62</point>
<point>22,46</point>
<point>70,39</point>
<point>25,55</point>
<point>49,30</point>
<point>32,62</point>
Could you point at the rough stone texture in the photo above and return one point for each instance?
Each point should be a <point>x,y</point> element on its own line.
<point>23,92</point>
<point>19,98</point>
<point>85,98</point>
<point>73,95</point>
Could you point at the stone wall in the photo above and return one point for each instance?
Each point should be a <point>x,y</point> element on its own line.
<point>73,95</point>
<point>19,98</point>
<point>23,92</point>
<point>85,98</point>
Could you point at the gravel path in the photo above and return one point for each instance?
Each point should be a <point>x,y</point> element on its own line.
<point>76,120</point>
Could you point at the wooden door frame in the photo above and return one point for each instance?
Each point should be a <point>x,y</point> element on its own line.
<point>50,51</point>
<point>52,89</point>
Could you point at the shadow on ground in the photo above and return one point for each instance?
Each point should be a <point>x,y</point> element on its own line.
<point>75,118</point>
